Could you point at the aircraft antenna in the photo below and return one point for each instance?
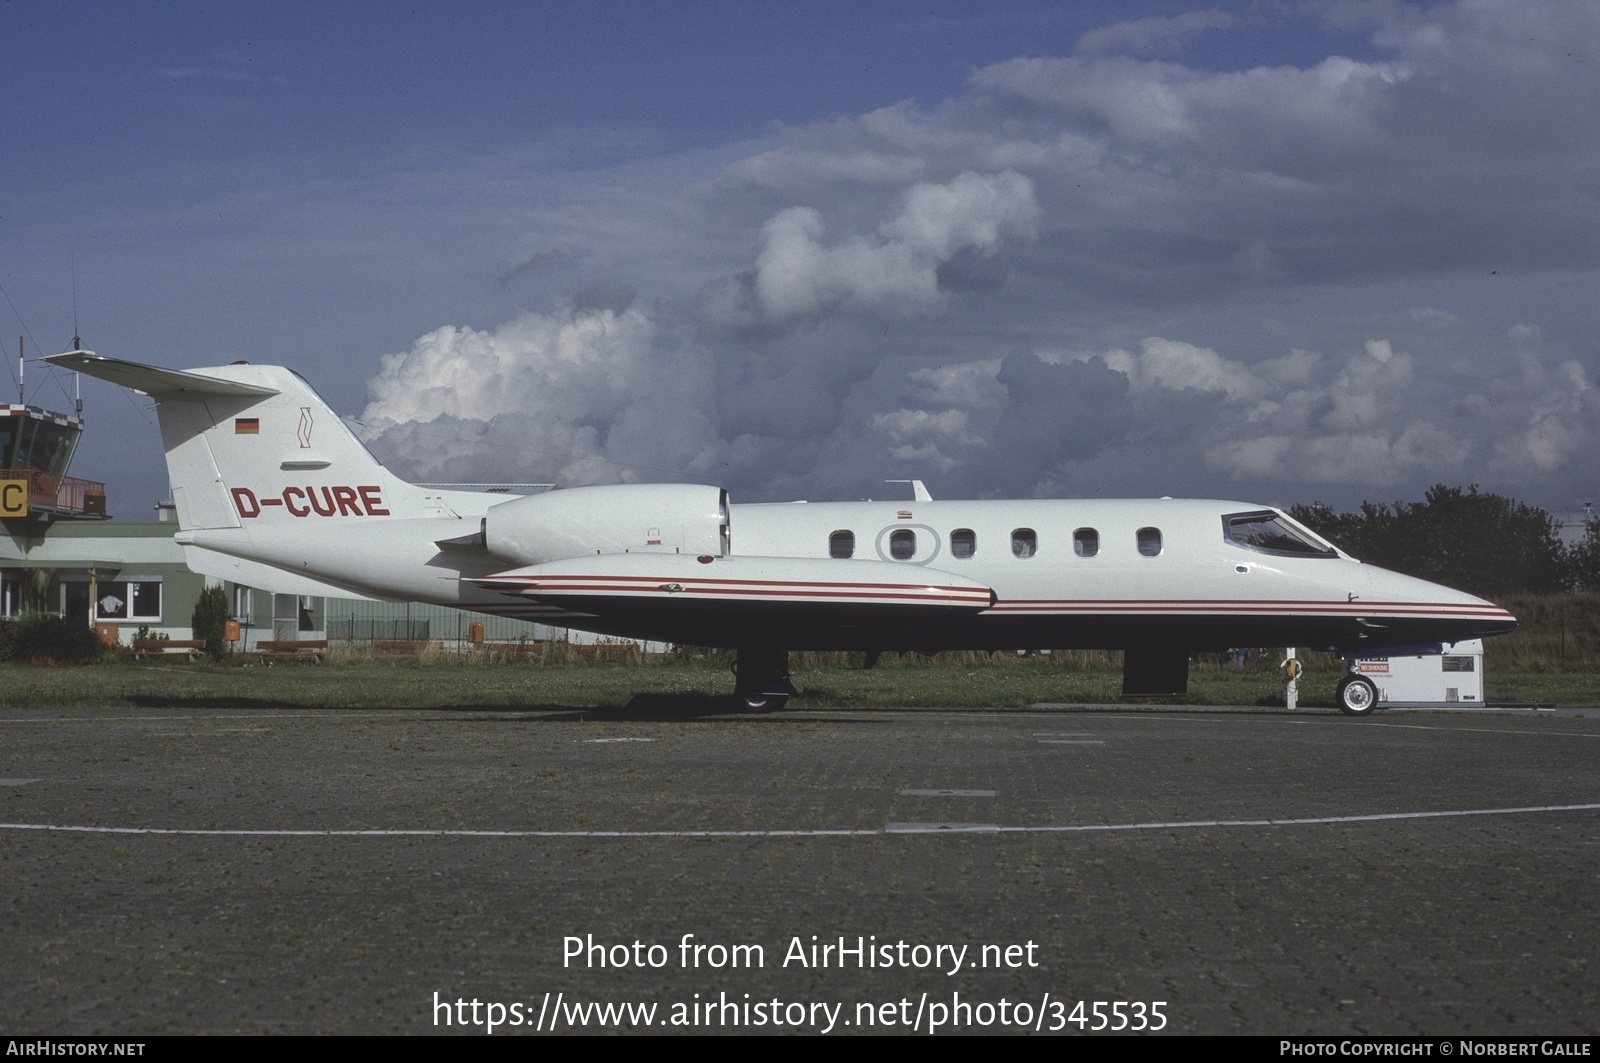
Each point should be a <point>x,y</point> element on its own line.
<point>919,493</point>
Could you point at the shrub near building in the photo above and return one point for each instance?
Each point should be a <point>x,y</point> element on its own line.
<point>53,640</point>
<point>210,619</point>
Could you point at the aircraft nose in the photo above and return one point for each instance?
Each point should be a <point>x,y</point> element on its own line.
<point>1408,595</point>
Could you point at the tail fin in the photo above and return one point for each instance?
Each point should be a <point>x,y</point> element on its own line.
<point>254,445</point>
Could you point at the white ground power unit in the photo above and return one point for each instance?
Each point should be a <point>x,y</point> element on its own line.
<point>1451,679</point>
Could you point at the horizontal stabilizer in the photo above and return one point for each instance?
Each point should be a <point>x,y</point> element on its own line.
<point>153,380</point>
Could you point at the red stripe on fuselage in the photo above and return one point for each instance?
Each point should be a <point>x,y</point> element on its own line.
<point>971,598</point>
<point>652,581</point>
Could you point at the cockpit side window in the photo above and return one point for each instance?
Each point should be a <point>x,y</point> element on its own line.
<point>1271,533</point>
<point>842,544</point>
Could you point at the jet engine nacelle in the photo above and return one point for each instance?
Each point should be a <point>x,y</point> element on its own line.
<point>625,518</point>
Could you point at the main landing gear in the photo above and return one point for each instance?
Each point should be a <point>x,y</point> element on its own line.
<point>761,678</point>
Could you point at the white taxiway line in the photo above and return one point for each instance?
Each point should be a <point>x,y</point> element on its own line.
<point>1485,730</point>
<point>893,828</point>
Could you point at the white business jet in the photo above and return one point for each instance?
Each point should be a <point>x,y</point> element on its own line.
<point>273,491</point>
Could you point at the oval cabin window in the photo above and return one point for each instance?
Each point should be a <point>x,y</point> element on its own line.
<point>1024,542</point>
<point>1086,542</point>
<point>903,544</point>
<point>963,542</point>
<point>842,544</point>
<point>1149,541</point>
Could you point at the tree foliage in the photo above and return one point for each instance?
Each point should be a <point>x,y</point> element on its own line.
<point>1584,558</point>
<point>1485,544</point>
<point>210,619</point>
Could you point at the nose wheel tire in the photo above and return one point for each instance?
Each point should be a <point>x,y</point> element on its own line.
<point>1356,696</point>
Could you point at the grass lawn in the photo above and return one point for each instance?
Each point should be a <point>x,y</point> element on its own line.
<point>973,682</point>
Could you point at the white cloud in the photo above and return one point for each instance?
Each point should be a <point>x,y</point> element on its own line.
<point>971,385</point>
<point>1158,34</point>
<point>1094,271</point>
<point>796,274</point>
<point>579,396</point>
<point>1177,365</point>
<point>579,366</point>
<point>923,438</point>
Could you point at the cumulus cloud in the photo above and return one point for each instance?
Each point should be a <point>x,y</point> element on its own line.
<point>1184,366</point>
<point>579,396</point>
<point>798,275</point>
<point>1090,273</point>
<point>535,364</point>
<point>917,436</point>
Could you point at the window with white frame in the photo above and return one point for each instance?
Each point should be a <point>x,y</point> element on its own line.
<point>135,598</point>
<point>241,603</point>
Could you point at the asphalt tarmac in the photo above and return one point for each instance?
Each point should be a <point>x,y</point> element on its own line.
<point>1254,871</point>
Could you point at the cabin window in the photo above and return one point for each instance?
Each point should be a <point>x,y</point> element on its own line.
<point>902,544</point>
<point>1086,542</point>
<point>1272,533</point>
<point>1024,542</point>
<point>842,544</point>
<point>1149,541</point>
<point>963,542</point>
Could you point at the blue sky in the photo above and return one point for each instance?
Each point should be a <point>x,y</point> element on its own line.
<point>1277,251</point>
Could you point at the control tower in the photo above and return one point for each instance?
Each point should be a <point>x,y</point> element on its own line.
<point>36,448</point>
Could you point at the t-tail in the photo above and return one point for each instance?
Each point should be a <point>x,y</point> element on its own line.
<point>264,474</point>
<point>255,445</point>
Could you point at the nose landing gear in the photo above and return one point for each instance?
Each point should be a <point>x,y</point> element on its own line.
<point>1356,696</point>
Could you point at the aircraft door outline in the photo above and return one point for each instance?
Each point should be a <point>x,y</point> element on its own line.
<point>924,544</point>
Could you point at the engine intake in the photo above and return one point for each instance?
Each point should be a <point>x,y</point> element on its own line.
<point>624,518</point>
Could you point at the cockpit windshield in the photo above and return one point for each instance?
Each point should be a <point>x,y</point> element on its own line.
<point>1271,533</point>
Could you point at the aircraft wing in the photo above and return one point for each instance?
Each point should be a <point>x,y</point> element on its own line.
<point>691,597</point>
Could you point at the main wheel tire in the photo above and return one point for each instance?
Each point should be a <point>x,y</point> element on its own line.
<point>1356,696</point>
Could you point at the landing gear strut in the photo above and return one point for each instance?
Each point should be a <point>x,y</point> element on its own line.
<point>761,678</point>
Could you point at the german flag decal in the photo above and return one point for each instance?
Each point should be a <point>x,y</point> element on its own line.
<point>246,426</point>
